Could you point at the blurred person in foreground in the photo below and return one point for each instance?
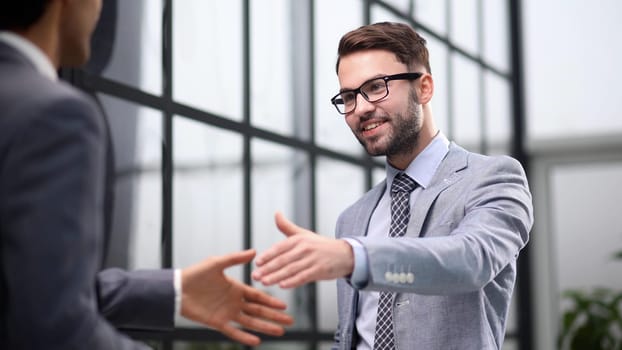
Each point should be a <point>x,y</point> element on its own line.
<point>427,258</point>
<point>55,166</point>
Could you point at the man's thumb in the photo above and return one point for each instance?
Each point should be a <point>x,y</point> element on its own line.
<point>287,227</point>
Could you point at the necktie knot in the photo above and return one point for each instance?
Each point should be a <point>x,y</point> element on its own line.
<point>403,183</point>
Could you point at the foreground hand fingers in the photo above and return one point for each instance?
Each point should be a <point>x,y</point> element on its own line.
<point>240,335</point>
<point>296,269</point>
<point>297,280</point>
<point>259,297</point>
<point>281,263</point>
<point>234,258</point>
<point>285,226</point>
<point>261,325</point>
<point>274,252</point>
<point>265,313</point>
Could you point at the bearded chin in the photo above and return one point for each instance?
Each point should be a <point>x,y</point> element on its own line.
<point>370,150</point>
<point>403,137</point>
<point>403,140</point>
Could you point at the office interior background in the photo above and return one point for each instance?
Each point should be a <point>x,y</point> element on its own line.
<point>220,115</point>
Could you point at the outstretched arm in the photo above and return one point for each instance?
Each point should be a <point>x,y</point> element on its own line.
<point>218,301</point>
<point>303,257</point>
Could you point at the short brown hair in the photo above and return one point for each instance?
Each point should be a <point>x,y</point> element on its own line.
<point>401,39</point>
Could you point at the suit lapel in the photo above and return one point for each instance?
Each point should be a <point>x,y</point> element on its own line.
<point>447,174</point>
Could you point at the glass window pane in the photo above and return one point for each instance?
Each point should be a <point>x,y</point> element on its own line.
<point>510,344</point>
<point>400,5</point>
<point>134,30</point>
<point>280,182</point>
<point>496,34</point>
<point>585,201</point>
<point>512,321</point>
<point>326,346</point>
<point>204,345</point>
<point>585,223</point>
<point>332,20</point>
<point>438,63</point>
<point>378,175</point>
<point>498,113</point>
<point>271,66</point>
<point>265,345</point>
<point>281,345</point>
<point>466,107</point>
<point>208,215</point>
<point>380,14</point>
<point>464,19</point>
<point>207,56</point>
<point>572,93</point>
<point>137,140</point>
<point>432,14</point>
<point>338,186</point>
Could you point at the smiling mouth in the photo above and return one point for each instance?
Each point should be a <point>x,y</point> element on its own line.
<point>371,126</point>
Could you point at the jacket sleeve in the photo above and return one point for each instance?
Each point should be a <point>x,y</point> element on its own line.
<point>51,185</point>
<point>480,226</point>
<point>137,299</point>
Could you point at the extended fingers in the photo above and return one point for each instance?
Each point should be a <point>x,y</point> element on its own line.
<point>295,269</point>
<point>298,279</point>
<point>258,318</point>
<point>256,296</point>
<point>287,227</point>
<point>266,313</point>
<point>239,335</point>
<point>272,271</point>
<point>263,305</point>
<point>234,258</point>
<point>274,252</point>
<point>263,319</point>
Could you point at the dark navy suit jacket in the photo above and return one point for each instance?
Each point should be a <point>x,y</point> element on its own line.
<point>54,203</point>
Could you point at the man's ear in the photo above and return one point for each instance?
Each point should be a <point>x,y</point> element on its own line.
<point>426,88</point>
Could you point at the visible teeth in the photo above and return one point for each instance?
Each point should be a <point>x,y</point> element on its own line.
<point>371,126</point>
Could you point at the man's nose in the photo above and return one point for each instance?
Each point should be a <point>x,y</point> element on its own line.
<point>362,105</point>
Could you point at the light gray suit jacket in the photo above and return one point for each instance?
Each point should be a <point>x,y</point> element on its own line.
<point>459,252</point>
<point>53,203</point>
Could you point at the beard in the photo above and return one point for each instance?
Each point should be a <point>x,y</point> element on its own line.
<point>404,135</point>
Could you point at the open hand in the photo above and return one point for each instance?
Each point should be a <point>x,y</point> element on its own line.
<point>303,257</point>
<point>218,301</point>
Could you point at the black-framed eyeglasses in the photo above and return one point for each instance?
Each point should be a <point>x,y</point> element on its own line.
<point>373,90</point>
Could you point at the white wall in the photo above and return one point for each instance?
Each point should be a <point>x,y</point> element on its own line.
<point>572,64</point>
<point>573,108</point>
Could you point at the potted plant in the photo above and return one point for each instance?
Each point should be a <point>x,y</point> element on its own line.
<point>594,320</point>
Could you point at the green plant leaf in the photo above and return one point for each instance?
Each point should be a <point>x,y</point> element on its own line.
<point>568,320</point>
<point>584,339</point>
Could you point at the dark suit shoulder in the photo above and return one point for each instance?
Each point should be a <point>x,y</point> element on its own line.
<point>30,100</point>
<point>24,93</point>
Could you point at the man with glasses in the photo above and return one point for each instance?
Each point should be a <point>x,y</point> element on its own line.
<point>427,258</point>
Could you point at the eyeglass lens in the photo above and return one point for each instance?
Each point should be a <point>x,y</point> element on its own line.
<point>371,91</point>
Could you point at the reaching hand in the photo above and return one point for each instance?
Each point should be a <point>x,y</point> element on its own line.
<point>212,298</point>
<point>303,257</point>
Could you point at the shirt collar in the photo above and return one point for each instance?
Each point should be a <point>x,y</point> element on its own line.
<point>32,53</point>
<point>423,167</point>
